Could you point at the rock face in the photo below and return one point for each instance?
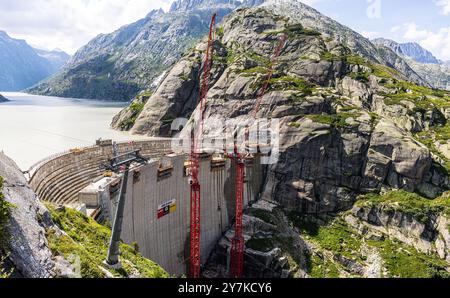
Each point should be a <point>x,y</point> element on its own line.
<point>28,246</point>
<point>329,28</point>
<point>430,236</point>
<point>437,74</point>
<point>117,66</point>
<point>60,242</point>
<point>22,66</point>
<point>350,124</point>
<point>321,71</point>
<point>322,163</point>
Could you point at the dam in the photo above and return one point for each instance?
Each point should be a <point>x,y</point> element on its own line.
<point>156,216</point>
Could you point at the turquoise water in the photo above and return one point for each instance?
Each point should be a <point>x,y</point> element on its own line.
<point>34,127</point>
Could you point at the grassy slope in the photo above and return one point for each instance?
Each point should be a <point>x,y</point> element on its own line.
<point>337,238</point>
<point>409,203</point>
<point>89,241</point>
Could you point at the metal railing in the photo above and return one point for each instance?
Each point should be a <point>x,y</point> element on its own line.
<point>38,165</point>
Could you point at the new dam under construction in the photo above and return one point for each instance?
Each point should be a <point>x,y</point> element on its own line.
<point>156,214</point>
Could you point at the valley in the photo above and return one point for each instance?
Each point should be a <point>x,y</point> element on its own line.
<point>35,127</point>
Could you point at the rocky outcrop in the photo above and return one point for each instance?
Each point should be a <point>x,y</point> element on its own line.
<point>177,97</point>
<point>431,235</point>
<point>27,247</point>
<point>348,126</point>
<point>127,117</point>
<point>273,248</point>
<point>311,18</point>
<point>56,241</point>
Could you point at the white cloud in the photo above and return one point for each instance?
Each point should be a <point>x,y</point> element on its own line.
<point>370,34</point>
<point>438,42</point>
<point>69,25</point>
<point>445,6</point>
<point>410,31</point>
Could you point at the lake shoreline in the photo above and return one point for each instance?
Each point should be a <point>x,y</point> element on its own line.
<point>33,127</point>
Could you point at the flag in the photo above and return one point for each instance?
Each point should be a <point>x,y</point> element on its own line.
<point>167,208</point>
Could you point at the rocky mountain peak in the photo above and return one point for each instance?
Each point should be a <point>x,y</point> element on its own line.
<point>3,99</point>
<point>418,53</point>
<point>155,12</point>
<point>3,34</point>
<point>189,5</point>
<point>118,65</point>
<point>411,50</point>
<point>395,46</point>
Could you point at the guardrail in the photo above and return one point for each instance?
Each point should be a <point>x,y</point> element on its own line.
<point>38,165</point>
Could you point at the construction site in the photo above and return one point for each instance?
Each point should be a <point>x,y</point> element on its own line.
<point>175,205</point>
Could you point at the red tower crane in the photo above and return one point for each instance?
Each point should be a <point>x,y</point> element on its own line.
<point>237,243</point>
<point>196,136</point>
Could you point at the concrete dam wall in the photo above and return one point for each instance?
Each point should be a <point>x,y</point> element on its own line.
<point>165,239</point>
<point>157,207</point>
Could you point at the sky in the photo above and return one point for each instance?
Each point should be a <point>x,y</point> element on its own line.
<point>426,22</point>
<point>70,24</point>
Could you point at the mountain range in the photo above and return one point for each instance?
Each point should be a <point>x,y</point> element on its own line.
<point>118,65</point>
<point>423,62</point>
<point>411,49</point>
<point>307,17</point>
<point>23,66</point>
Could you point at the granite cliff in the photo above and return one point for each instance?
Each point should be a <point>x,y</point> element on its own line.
<point>363,141</point>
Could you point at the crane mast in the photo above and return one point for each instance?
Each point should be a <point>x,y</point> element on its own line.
<point>196,137</point>
<point>238,243</point>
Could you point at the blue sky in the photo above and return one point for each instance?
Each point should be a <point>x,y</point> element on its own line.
<point>424,21</point>
<point>353,13</point>
<point>71,24</point>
